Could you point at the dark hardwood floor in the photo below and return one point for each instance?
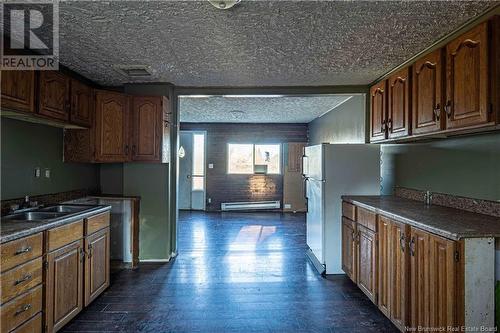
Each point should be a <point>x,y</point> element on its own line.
<point>235,272</point>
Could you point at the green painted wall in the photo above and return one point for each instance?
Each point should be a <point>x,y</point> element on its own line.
<point>466,166</point>
<point>25,146</point>
<point>150,182</point>
<point>344,124</point>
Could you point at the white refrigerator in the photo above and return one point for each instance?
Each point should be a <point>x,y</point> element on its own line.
<point>330,171</point>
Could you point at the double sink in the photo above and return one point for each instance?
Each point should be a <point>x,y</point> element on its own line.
<point>48,214</point>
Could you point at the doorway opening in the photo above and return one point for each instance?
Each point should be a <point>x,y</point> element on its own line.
<point>192,174</point>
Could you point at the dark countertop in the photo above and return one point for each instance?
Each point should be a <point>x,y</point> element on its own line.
<point>444,221</point>
<point>11,230</point>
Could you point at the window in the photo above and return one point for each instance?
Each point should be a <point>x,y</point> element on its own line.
<point>243,158</point>
<point>198,177</point>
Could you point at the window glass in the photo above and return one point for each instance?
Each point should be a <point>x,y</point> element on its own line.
<point>199,154</point>
<point>240,158</point>
<point>198,183</point>
<point>268,155</point>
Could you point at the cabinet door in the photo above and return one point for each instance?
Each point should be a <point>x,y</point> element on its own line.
<point>97,264</point>
<point>349,248</point>
<point>112,119</point>
<point>147,115</point>
<point>384,266</point>
<point>378,111</point>
<point>398,108</point>
<point>81,105</point>
<point>54,95</point>
<point>64,285</point>
<point>442,286</point>
<point>427,85</point>
<point>399,274</point>
<point>367,262</point>
<point>18,90</point>
<point>419,278</point>
<point>467,77</point>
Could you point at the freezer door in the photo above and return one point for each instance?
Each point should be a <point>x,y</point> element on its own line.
<point>314,190</point>
<point>314,162</point>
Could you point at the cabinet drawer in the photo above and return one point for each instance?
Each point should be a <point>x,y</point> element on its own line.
<point>349,211</point>
<point>19,251</point>
<point>63,235</point>
<point>96,222</point>
<point>367,218</point>
<point>21,309</point>
<point>34,325</point>
<point>20,279</point>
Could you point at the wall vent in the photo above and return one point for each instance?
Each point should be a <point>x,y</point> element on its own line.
<point>225,206</point>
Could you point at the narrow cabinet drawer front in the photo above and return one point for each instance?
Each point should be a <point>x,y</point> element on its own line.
<point>20,279</point>
<point>367,218</point>
<point>97,222</point>
<point>34,325</point>
<point>349,211</point>
<point>63,235</point>
<point>21,309</point>
<point>19,251</point>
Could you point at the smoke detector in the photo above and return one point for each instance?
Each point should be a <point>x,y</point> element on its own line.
<point>224,4</point>
<point>134,71</point>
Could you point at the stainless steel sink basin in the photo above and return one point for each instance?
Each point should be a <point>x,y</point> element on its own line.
<point>65,208</point>
<point>33,216</point>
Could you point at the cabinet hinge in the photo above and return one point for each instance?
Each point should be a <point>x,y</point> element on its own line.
<point>457,256</point>
<point>46,265</point>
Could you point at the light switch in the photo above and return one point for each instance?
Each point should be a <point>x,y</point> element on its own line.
<point>210,165</point>
<point>38,172</point>
<point>47,173</point>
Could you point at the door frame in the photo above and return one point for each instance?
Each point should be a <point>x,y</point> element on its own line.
<point>204,133</point>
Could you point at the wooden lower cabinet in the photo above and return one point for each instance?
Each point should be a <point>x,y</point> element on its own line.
<point>384,265</point>
<point>64,285</point>
<point>367,262</point>
<point>96,264</point>
<point>33,325</point>
<point>419,278</point>
<point>349,258</point>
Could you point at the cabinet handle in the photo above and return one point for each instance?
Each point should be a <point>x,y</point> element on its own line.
<point>126,150</point>
<point>133,150</point>
<point>23,309</point>
<point>389,124</point>
<point>437,111</point>
<point>447,109</point>
<point>82,255</point>
<point>90,251</point>
<point>23,279</point>
<point>26,250</point>
<point>412,246</point>
<point>402,242</point>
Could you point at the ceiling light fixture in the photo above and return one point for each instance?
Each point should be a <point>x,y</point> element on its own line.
<point>223,4</point>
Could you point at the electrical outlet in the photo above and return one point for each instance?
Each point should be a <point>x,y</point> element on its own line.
<point>210,165</point>
<point>47,173</point>
<point>288,206</point>
<point>209,200</point>
<point>38,172</point>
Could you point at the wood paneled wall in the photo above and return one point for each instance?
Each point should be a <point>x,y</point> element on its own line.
<point>222,187</point>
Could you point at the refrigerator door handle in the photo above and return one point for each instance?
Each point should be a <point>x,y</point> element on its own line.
<point>305,166</point>
<point>305,193</point>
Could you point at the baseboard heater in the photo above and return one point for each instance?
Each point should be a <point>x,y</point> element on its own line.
<point>225,206</point>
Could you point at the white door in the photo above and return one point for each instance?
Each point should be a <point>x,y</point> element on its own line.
<point>192,170</point>
<point>314,191</point>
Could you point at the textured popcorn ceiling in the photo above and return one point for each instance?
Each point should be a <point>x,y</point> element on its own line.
<point>256,43</point>
<point>257,109</point>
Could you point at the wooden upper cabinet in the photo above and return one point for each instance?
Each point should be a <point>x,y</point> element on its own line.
<point>349,248</point>
<point>378,111</point>
<point>111,126</point>
<point>18,90</point>
<point>467,79</point>
<point>147,115</point>
<point>81,104</point>
<point>443,266</point>
<point>367,262</point>
<point>54,95</point>
<point>63,285</point>
<point>398,106</point>
<point>427,95</point>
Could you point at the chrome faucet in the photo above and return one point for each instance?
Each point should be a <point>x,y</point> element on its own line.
<point>428,198</point>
